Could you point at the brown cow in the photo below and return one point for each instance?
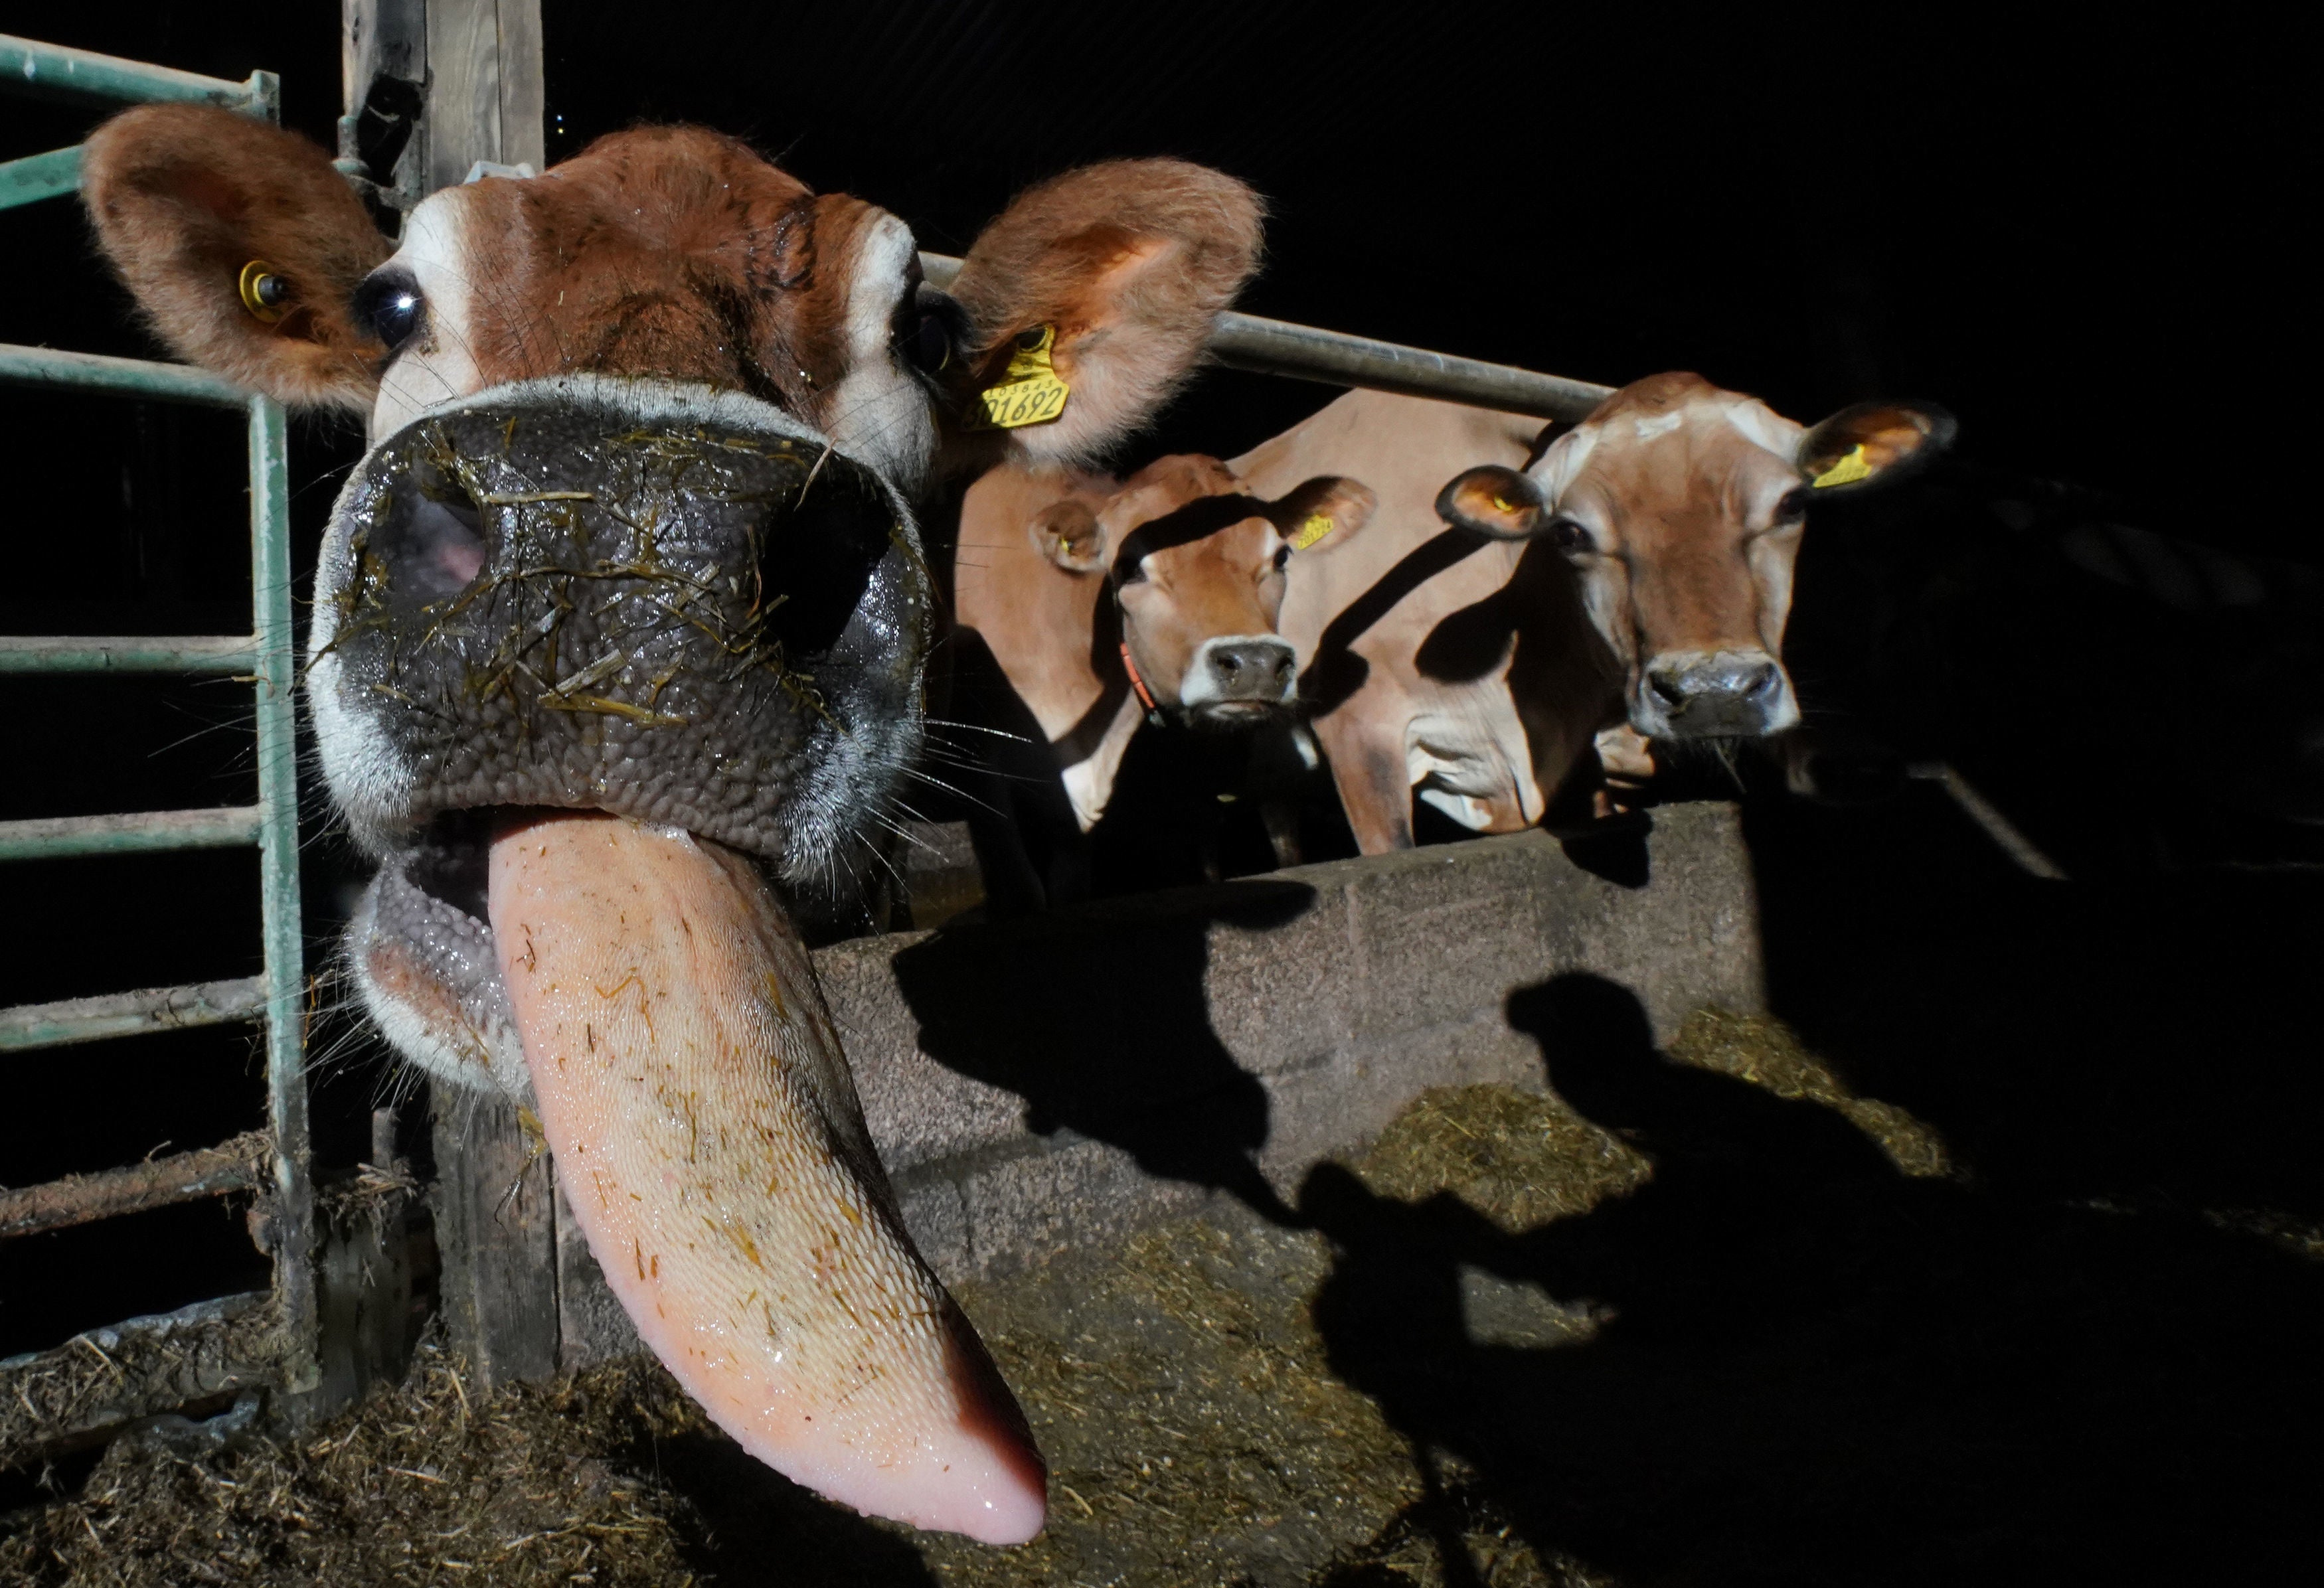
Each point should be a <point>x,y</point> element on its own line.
<point>620,621</point>
<point>1628,581</point>
<point>1101,604</point>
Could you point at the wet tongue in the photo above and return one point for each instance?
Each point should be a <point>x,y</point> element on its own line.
<point>709,1139</point>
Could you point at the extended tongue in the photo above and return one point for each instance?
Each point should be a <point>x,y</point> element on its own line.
<point>709,1139</point>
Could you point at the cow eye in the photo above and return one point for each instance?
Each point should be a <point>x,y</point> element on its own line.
<point>1568,536</point>
<point>388,307</point>
<point>930,329</point>
<point>928,343</point>
<point>1282,558</point>
<point>1793,507</point>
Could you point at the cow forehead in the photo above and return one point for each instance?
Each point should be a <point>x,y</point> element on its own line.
<point>1699,453</point>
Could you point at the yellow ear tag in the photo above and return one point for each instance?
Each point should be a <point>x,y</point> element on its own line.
<point>1313,529</point>
<point>265,293</point>
<point>1029,391</point>
<point>1846,471</point>
<point>1505,504</point>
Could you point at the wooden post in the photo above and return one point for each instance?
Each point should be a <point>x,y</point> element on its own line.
<point>484,88</point>
<point>474,68</point>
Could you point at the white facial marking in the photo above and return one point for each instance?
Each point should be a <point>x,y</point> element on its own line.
<point>1662,425</point>
<point>879,412</point>
<point>1557,468</point>
<point>1763,427</point>
<point>439,364</point>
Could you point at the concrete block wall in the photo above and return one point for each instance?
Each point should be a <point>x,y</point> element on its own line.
<point>1041,1084</point>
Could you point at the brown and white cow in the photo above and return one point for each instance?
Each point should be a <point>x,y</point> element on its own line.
<point>1625,582</point>
<point>1103,603</point>
<point>617,643</point>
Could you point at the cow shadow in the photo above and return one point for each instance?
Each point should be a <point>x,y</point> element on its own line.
<point>1122,1053</point>
<point>1781,1360</point>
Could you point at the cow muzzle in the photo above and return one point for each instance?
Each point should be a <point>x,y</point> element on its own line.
<point>667,603</point>
<point>1237,679</point>
<point>1713,695</point>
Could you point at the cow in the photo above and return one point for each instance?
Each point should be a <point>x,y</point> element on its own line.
<point>616,648</point>
<point>1529,604</point>
<point>1085,607</point>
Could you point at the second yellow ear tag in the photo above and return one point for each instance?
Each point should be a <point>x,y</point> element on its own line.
<point>1850,469</point>
<point>1029,391</point>
<point>1311,529</point>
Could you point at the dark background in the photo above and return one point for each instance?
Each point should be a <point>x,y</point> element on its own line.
<point>2077,237</point>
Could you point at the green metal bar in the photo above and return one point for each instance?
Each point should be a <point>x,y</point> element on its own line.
<point>278,867</point>
<point>51,72</point>
<point>121,377</point>
<point>63,837</point>
<point>212,654</point>
<point>28,1026</point>
<point>40,176</point>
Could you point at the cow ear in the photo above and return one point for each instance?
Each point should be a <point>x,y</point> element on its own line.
<point>1323,511</point>
<point>1494,502</point>
<point>1091,299</point>
<point>1873,441</point>
<point>243,246</point>
<point>1066,532</point>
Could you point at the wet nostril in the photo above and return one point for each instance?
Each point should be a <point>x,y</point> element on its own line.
<point>1667,688</point>
<point>1251,670</point>
<point>1760,680</point>
<point>432,543</point>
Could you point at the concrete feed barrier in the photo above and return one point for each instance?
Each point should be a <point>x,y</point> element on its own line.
<point>1045,1083</point>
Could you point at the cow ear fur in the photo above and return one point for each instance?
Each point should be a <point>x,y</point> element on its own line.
<point>1067,534</point>
<point>186,196</point>
<point>1496,502</point>
<point>1873,441</point>
<point>1131,261</point>
<point>1323,511</point>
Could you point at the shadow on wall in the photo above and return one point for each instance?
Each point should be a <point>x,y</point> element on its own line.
<point>1127,1057</point>
<point>1809,1369</point>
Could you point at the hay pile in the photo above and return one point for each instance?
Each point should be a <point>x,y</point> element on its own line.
<point>1177,1384</point>
<point>423,1485</point>
<point>1767,1054</point>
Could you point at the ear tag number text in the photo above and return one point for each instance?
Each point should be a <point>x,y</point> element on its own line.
<point>1312,529</point>
<point>1029,391</point>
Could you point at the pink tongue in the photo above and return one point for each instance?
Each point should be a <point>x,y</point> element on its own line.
<point>709,1139</point>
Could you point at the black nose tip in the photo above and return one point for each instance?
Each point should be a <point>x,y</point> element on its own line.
<point>1251,669</point>
<point>1719,695</point>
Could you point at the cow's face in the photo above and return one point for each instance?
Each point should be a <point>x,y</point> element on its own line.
<point>634,536</point>
<point>1198,565</point>
<point>1682,506</point>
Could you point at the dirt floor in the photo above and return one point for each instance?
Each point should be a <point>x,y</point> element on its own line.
<point>1701,1318</point>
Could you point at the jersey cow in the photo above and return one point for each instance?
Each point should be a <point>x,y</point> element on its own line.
<point>617,639</point>
<point>1090,606</point>
<point>1626,579</point>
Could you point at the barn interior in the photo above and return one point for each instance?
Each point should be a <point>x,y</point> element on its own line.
<point>1986,1246</point>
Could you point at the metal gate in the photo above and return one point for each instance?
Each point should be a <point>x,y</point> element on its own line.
<point>104,1379</point>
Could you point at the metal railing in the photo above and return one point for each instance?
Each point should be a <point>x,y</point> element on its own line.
<point>1304,353</point>
<point>237,1341</point>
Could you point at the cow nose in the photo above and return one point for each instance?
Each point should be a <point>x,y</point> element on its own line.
<point>1714,694</point>
<point>1251,669</point>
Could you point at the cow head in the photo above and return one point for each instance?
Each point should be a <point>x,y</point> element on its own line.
<point>1198,566</point>
<point>1682,506</point>
<point>635,537</point>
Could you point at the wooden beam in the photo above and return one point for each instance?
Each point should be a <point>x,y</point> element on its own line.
<point>485,87</point>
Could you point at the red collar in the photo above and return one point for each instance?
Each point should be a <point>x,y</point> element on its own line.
<point>1145,695</point>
